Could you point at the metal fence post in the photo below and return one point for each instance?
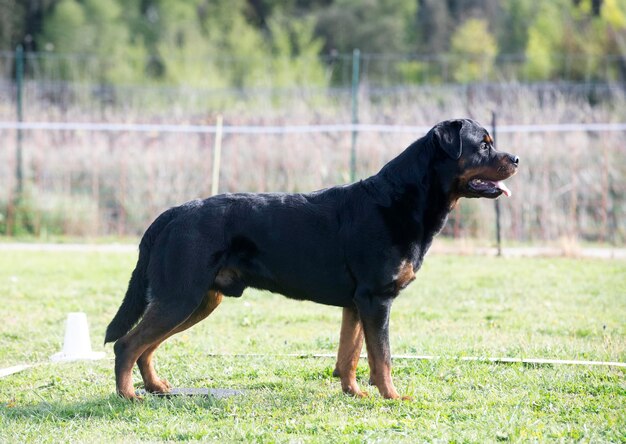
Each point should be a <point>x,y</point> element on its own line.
<point>356,56</point>
<point>497,201</point>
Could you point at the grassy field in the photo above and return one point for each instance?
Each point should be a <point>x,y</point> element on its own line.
<point>459,306</point>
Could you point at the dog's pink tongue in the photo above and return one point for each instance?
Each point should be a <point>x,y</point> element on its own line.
<point>505,190</point>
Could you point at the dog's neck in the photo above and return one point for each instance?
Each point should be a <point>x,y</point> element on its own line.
<point>410,192</point>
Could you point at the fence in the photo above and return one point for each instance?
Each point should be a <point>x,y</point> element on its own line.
<point>113,178</point>
<point>88,167</point>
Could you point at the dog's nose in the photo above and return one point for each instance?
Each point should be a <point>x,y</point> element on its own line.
<point>514,159</point>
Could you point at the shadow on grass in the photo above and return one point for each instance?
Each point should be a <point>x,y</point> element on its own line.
<point>114,407</point>
<point>108,407</point>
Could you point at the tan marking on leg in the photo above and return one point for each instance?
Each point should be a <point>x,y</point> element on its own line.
<point>380,374</point>
<point>350,344</point>
<point>152,382</point>
<point>129,348</point>
<point>379,358</point>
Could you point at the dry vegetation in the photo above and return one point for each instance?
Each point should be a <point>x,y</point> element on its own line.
<point>570,185</point>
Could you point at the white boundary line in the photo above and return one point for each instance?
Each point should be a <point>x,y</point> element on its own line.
<point>531,361</point>
<point>292,129</point>
<point>15,369</point>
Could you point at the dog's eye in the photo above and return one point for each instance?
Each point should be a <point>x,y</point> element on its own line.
<point>484,146</point>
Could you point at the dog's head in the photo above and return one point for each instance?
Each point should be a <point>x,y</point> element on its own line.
<point>470,166</point>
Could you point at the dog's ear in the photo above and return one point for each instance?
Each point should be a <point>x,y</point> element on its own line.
<point>448,136</point>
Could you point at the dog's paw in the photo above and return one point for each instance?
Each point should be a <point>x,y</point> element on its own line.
<point>159,386</point>
<point>130,396</point>
<point>357,393</point>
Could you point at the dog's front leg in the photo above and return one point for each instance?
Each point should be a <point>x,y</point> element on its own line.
<point>374,313</point>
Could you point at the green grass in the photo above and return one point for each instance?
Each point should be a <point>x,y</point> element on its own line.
<point>459,306</point>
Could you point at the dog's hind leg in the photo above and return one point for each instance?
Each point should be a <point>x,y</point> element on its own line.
<point>152,382</point>
<point>350,344</point>
<point>158,320</point>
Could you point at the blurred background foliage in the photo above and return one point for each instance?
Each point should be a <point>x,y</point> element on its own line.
<point>290,43</point>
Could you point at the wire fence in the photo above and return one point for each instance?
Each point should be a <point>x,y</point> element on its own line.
<point>295,129</point>
<point>99,159</point>
<point>95,178</point>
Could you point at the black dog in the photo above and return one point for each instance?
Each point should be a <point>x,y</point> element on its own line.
<point>353,246</point>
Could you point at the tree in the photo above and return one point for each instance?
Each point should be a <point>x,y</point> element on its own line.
<point>474,50</point>
<point>433,24</point>
<point>570,40</point>
<point>211,43</point>
<point>544,39</point>
<point>64,30</point>
<point>89,30</point>
<point>514,23</point>
<point>373,26</point>
<point>12,14</point>
<point>295,53</point>
<point>182,49</point>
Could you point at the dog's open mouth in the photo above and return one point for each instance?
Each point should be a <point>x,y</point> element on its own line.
<point>489,187</point>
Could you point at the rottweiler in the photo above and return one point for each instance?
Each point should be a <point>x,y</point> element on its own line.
<point>354,246</point>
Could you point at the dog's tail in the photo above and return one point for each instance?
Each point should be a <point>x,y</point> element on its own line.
<point>135,301</point>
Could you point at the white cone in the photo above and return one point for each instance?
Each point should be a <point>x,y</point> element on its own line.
<point>76,344</point>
